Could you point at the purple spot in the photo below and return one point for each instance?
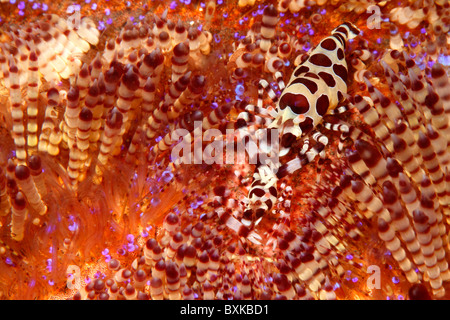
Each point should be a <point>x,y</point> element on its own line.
<point>101,25</point>
<point>130,238</point>
<point>239,89</point>
<point>194,205</point>
<point>167,176</point>
<point>444,59</point>
<point>21,5</point>
<point>144,234</point>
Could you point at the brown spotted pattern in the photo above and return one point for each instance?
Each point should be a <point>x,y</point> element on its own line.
<point>315,88</point>
<point>323,74</point>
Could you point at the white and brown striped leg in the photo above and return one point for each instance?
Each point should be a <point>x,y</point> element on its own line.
<point>258,113</point>
<point>306,146</point>
<point>318,148</point>
<point>265,86</point>
<point>246,125</point>
<point>320,139</point>
<point>224,209</point>
<point>279,79</point>
<point>305,156</point>
<point>251,116</point>
<point>340,109</point>
<point>237,226</point>
<point>344,129</point>
<point>348,132</point>
<point>262,195</point>
<point>337,127</point>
